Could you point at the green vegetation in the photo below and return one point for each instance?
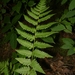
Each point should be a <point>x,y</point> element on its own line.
<point>30,27</point>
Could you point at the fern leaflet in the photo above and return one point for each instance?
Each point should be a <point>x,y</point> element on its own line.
<point>25,43</point>
<point>27,28</point>
<point>25,35</point>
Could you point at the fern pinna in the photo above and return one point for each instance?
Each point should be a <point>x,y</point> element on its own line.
<point>31,35</point>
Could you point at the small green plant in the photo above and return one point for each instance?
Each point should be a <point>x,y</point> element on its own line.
<point>31,40</point>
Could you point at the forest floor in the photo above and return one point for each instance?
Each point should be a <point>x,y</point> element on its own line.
<point>59,65</point>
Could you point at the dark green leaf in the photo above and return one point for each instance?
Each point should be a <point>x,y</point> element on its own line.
<point>6,38</point>
<point>31,3</point>
<point>5,1</point>
<point>6,19</point>
<point>72,20</point>
<point>6,28</point>
<point>67,46</point>
<point>72,5</point>
<point>59,27</point>
<point>17,7</point>
<point>71,51</point>
<point>13,41</point>
<point>68,40</point>
<point>48,39</point>
<point>16,18</point>
<point>3,11</point>
<point>70,14</point>
<point>24,1</point>
<point>63,2</point>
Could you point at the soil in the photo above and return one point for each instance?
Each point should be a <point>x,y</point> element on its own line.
<point>59,65</point>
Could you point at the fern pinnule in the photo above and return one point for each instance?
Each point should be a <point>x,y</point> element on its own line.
<point>32,21</point>
<point>41,45</point>
<point>27,28</point>
<point>24,61</point>
<point>45,18</point>
<point>43,34</point>
<point>26,53</point>
<point>40,54</point>
<point>45,26</point>
<point>44,10</point>
<point>34,11</point>
<point>32,15</point>
<point>45,13</point>
<point>25,43</point>
<point>23,70</point>
<point>25,35</point>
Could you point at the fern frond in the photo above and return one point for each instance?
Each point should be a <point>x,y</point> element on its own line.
<point>45,18</point>
<point>40,54</point>
<point>31,36</point>
<point>25,35</point>
<point>41,45</point>
<point>43,34</point>
<point>23,70</point>
<point>25,43</point>
<point>40,27</point>
<point>28,19</point>
<point>27,28</point>
<point>35,11</point>
<point>26,53</point>
<point>45,13</point>
<point>32,14</point>
<point>24,61</point>
<point>35,65</point>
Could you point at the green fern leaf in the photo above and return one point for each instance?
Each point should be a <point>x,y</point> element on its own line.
<point>25,43</point>
<point>28,19</point>
<point>42,2</point>
<point>45,18</point>
<point>35,65</point>
<point>43,34</point>
<point>24,61</point>
<point>40,54</point>
<point>32,14</point>
<point>35,11</point>
<point>43,10</point>
<point>33,72</point>
<point>40,27</point>
<point>27,28</point>
<point>40,7</point>
<point>25,35</point>
<point>35,16</point>
<point>41,45</point>
<point>45,13</point>
<point>26,53</point>
<point>23,70</point>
